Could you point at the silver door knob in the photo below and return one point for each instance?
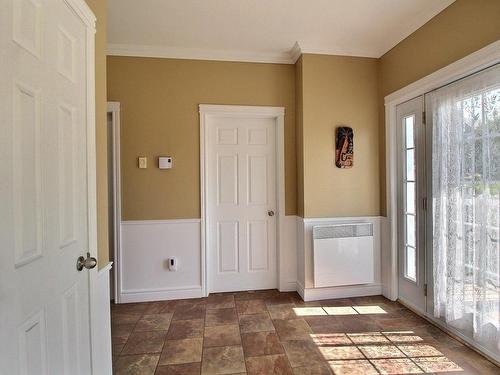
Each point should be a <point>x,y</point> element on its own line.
<point>88,263</point>
<point>270,213</point>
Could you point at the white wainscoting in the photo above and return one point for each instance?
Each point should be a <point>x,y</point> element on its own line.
<point>305,283</point>
<point>146,246</point>
<point>101,323</point>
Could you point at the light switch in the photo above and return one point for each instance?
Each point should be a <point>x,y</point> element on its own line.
<point>143,162</point>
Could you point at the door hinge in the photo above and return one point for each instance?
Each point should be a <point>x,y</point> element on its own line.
<point>423,117</point>
<point>424,204</point>
<point>425,290</point>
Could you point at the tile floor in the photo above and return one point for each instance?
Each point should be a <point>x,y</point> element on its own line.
<point>268,332</point>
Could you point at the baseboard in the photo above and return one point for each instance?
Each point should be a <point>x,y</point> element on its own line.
<point>288,286</point>
<point>300,290</point>
<point>316,294</point>
<point>145,295</point>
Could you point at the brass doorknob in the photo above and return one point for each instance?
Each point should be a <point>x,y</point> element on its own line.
<point>88,263</point>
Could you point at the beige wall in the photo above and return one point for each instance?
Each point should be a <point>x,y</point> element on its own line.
<point>160,117</point>
<point>339,91</point>
<point>462,28</point>
<point>99,7</point>
<point>159,114</point>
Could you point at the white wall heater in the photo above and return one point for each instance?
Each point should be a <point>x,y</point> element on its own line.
<point>343,254</point>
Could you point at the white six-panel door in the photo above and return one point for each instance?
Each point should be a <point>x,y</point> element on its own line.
<point>241,202</point>
<point>44,214</point>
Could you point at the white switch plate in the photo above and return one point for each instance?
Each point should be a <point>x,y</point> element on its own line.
<point>143,162</point>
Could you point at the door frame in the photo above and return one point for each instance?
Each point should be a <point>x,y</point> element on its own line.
<point>470,64</point>
<point>275,113</point>
<point>113,108</point>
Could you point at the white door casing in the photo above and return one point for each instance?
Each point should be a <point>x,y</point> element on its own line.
<point>240,196</point>
<point>47,188</point>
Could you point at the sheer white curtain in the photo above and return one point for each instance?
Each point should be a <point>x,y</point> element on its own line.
<point>465,202</point>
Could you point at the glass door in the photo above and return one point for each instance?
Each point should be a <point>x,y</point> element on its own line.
<point>411,199</point>
<point>463,139</point>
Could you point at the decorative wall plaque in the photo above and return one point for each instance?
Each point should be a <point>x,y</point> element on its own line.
<point>344,147</point>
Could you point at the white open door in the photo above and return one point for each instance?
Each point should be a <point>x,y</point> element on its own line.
<point>47,186</point>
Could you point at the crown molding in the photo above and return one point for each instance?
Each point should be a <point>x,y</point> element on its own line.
<point>198,54</point>
<point>295,52</point>
<point>305,49</point>
<point>290,57</point>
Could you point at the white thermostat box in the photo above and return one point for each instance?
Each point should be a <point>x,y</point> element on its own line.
<point>164,162</point>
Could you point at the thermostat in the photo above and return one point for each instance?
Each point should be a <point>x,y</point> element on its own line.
<point>165,162</point>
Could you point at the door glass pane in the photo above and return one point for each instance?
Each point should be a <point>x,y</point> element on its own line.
<point>411,263</point>
<point>410,230</point>
<point>410,197</point>
<point>410,165</point>
<point>409,125</point>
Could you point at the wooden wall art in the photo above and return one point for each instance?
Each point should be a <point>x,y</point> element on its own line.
<point>344,147</point>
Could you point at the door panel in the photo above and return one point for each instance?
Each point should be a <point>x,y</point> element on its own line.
<point>241,190</point>
<point>411,195</point>
<point>44,300</point>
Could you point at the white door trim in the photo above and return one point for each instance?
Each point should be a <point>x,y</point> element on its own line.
<point>277,113</point>
<point>114,110</point>
<point>470,64</point>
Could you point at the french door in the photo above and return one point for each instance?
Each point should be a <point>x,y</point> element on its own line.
<point>463,142</point>
<point>449,207</point>
<point>411,199</point>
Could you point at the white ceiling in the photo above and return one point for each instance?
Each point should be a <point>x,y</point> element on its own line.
<point>263,30</point>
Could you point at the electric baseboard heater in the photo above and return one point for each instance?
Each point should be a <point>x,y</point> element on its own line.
<point>343,254</point>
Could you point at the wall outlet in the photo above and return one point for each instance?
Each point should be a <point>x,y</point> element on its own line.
<point>172,264</point>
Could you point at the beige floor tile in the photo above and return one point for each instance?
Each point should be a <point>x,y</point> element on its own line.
<point>223,360</point>
<point>181,351</point>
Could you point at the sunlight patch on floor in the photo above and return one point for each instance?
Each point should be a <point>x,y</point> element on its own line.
<point>398,352</point>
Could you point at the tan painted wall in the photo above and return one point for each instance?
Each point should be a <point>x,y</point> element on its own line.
<point>462,28</point>
<point>99,7</point>
<point>340,91</point>
<point>159,114</point>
